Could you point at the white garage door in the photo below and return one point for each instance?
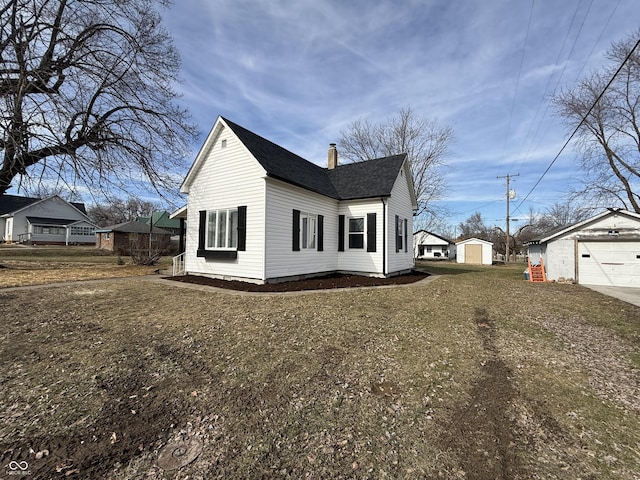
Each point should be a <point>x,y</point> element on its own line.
<point>609,263</point>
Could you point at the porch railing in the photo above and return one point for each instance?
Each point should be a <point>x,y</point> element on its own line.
<point>178,265</point>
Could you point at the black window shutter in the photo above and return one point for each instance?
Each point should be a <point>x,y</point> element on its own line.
<point>320,233</point>
<point>202,229</point>
<point>341,233</point>
<point>242,228</point>
<point>406,239</point>
<point>397,235</point>
<point>296,230</point>
<point>371,232</point>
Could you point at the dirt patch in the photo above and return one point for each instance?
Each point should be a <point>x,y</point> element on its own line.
<point>318,283</point>
<point>481,434</point>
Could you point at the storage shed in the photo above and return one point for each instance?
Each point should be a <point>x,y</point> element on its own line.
<point>602,250</point>
<point>474,251</point>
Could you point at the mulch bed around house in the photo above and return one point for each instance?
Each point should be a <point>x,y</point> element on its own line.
<point>318,283</point>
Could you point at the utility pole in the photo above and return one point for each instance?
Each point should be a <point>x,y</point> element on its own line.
<point>509,196</point>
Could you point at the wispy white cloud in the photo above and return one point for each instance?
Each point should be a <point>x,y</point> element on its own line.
<point>300,72</point>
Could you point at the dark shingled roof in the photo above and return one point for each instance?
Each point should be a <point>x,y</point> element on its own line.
<point>50,221</point>
<point>132,227</point>
<point>373,178</point>
<point>12,203</point>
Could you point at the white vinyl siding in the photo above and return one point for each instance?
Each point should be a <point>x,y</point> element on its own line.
<point>400,204</point>
<point>226,179</point>
<point>359,259</point>
<point>281,260</point>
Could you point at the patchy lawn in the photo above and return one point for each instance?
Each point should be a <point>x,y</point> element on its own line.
<point>476,375</point>
<point>21,265</point>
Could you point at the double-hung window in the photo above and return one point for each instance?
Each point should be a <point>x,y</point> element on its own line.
<point>356,232</point>
<point>308,224</point>
<point>222,229</point>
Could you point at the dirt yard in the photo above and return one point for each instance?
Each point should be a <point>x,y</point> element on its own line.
<point>476,375</point>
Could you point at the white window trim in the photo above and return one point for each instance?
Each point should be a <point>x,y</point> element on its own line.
<point>362,233</point>
<point>310,232</point>
<point>228,230</point>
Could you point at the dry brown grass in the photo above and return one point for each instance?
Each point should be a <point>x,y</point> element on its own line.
<point>22,266</point>
<point>349,384</point>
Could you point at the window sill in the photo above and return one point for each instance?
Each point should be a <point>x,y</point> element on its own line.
<point>218,254</point>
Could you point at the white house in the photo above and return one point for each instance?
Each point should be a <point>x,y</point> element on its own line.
<point>430,245</point>
<point>602,250</point>
<point>474,251</point>
<point>50,220</point>
<point>259,213</point>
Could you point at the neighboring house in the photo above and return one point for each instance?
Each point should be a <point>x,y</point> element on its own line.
<point>430,245</point>
<point>260,213</point>
<point>602,250</point>
<point>474,251</point>
<point>50,221</point>
<point>121,238</point>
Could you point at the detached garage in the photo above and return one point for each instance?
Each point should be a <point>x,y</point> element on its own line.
<point>603,250</point>
<point>474,251</point>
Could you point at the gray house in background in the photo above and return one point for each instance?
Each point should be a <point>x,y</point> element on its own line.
<point>45,221</point>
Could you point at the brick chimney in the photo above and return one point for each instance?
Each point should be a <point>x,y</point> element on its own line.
<point>333,157</point>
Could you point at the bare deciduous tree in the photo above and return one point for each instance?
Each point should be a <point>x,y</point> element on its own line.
<point>423,140</point>
<point>120,211</point>
<point>609,138</point>
<point>562,215</point>
<point>474,227</point>
<point>87,98</point>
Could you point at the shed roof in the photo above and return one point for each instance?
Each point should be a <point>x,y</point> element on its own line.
<point>474,240</point>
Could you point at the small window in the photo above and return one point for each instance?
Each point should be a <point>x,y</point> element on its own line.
<point>586,255</point>
<point>429,249</point>
<point>223,143</point>
<point>400,230</point>
<point>356,232</point>
<point>308,229</point>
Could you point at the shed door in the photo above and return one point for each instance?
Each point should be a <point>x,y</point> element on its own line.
<point>609,263</point>
<point>473,254</point>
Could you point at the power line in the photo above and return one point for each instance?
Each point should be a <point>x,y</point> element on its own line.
<point>546,89</point>
<point>584,118</point>
<point>515,94</point>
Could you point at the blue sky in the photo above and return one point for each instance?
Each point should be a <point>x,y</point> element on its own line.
<point>299,72</point>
